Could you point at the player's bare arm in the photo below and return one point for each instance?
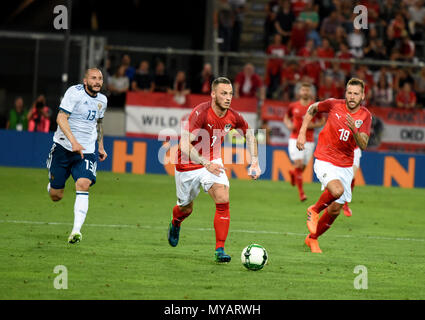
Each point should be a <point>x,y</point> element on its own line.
<point>311,112</point>
<point>361,138</point>
<point>102,152</point>
<point>287,122</point>
<point>190,151</point>
<point>62,121</point>
<point>254,170</point>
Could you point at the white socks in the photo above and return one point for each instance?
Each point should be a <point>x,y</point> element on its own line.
<point>80,210</point>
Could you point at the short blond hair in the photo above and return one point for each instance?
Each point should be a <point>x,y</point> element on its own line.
<point>356,82</point>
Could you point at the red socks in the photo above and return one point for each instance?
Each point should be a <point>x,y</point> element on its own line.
<point>299,179</point>
<point>221,223</point>
<point>325,199</point>
<point>324,224</point>
<point>179,216</point>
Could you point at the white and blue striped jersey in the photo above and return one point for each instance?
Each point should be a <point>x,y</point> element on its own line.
<point>84,111</point>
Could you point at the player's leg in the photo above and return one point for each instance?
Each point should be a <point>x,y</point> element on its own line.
<point>187,189</point>
<point>297,157</point>
<point>356,164</point>
<point>84,173</point>
<point>58,164</point>
<point>220,194</point>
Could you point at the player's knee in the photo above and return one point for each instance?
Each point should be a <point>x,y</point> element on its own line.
<point>186,210</point>
<point>337,192</point>
<point>56,196</point>
<point>83,184</point>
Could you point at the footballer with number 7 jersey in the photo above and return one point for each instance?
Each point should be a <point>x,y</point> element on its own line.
<point>199,162</point>
<point>348,126</point>
<point>73,152</point>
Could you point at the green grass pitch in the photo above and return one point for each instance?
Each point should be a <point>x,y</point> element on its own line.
<point>125,254</point>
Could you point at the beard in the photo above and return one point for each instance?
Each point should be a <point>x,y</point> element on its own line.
<point>347,103</point>
<point>93,89</point>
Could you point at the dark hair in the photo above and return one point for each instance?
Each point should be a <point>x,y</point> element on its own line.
<point>219,80</point>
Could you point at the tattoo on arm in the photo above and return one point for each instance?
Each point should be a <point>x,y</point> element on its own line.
<point>312,110</point>
<point>99,130</point>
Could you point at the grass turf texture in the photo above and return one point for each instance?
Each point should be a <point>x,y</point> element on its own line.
<point>124,253</point>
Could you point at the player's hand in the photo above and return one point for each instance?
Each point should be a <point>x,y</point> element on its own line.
<point>350,122</point>
<point>76,147</point>
<point>254,171</point>
<point>301,141</point>
<point>215,168</point>
<point>102,154</point>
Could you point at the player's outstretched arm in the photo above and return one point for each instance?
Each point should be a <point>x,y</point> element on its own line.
<point>311,112</point>
<point>62,121</point>
<point>254,170</point>
<point>190,151</point>
<point>102,153</point>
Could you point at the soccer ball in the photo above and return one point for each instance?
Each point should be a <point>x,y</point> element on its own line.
<point>254,257</point>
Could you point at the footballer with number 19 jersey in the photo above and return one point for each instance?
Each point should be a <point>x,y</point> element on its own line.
<point>347,127</point>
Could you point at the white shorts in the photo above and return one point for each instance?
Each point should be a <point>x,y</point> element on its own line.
<point>326,171</point>
<point>357,156</point>
<point>188,183</point>
<point>295,154</point>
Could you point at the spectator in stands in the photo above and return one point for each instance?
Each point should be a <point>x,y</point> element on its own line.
<point>395,30</point>
<point>420,87</point>
<point>180,88</point>
<point>384,72</point>
<point>325,51</point>
<point>291,74</point>
<point>416,18</point>
<point>344,53</point>
<point>338,77</point>
<point>375,50</point>
<point>39,116</point>
<point>330,25</point>
<point>284,21</point>
<point>161,80</point>
<point>274,65</point>
<point>328,89</point>
<point>298,6</point>
<point>313,34</point>
<point>118,86</point>
<point>402,76</point>
<point>18,116</point>
<point>142,79</point>
<point>298,36</point>
<point>382,92</point>
<point>238,7</point>
<point>310,15</point>
<point>204,80</point>
<point>404,50</point>
<point>312,69</point>
<point>306,51</point>
<point>272,7</point>
<point>129,70</point>
<point>406,98</point>
<point>373,10</point>
<point>224,20</point>
<point>249,84</point>
<point>356,42</point>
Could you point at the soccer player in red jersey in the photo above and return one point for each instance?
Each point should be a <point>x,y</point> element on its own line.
<point>347,127</point>
<point>199,162</point>
<point>293,120</point>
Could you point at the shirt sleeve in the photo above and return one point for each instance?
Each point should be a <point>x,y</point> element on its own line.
<point>69,100</point>
<point>103,109</point>
<point>325,105</point>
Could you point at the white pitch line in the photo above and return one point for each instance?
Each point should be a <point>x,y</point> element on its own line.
<point>208,229</point>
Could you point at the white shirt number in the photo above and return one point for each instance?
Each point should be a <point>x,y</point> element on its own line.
<point>344,134</point>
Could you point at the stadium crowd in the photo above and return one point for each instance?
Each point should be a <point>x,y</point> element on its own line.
<point>297,28</point>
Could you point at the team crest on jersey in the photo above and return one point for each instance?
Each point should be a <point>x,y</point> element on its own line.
<point>99,106</point>
<point>358,123</point>
<point>227,127</point>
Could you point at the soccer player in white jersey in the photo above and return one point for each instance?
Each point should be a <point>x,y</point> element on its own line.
<point>73,152</point>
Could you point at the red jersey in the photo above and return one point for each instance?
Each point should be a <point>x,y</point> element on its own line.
<point>296,112</point>
<point>209,130</point>
<point>336,142</point>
